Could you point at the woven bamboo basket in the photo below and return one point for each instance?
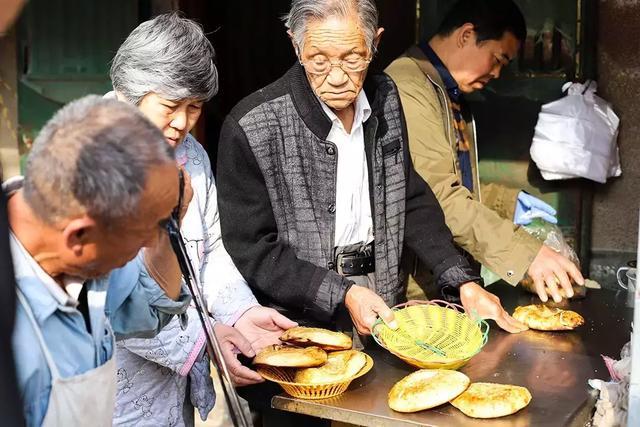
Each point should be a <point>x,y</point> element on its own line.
<point>433,335</point>
<point>284,377</point>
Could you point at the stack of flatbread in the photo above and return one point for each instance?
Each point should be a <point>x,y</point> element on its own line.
<point>428,388</point>
<point>323,338</point>
<point>543,318</point>
<point>340,366</point>
<point>284,356</point>
<point>320,356</point>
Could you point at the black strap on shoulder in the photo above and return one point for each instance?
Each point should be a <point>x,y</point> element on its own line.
<point>83,306</point>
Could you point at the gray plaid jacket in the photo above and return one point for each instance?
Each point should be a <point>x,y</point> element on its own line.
<point>277,195</point>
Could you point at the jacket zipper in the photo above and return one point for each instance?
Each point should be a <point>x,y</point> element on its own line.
<point>332,246</point>
<point>475,144</point>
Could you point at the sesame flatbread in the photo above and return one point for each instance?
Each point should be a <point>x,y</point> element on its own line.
<point>425,389</point>
<point>543,318</point>
<point>291,357</point>
<point>323,338</point>
<point>340,366</point>
<point>487,400</point>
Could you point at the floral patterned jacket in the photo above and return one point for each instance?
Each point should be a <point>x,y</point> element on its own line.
<point>155,375</point>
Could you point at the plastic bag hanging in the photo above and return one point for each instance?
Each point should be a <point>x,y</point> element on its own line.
<point>575,136</point>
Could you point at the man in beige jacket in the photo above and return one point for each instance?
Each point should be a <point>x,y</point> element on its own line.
<point>476,39</point>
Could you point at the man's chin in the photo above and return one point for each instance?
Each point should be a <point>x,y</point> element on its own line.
<point>479,85</point>
<point>338,104</point>
<point>467,89</point>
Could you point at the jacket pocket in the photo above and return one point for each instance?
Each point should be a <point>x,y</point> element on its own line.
<point>391,148</point>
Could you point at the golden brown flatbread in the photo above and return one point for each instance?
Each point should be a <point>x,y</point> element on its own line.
<point>487,400</point>
<point>340,366</point>
<point>323,338</point>
<point>426,389</point>
<point>285,356</point>
<point>543,318</point>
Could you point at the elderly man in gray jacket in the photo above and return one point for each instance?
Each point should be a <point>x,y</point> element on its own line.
<point>317,193</point>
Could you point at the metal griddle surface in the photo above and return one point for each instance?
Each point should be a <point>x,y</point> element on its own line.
<point>554,366</point>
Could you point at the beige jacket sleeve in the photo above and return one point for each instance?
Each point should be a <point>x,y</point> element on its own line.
<point>500,198</point>
<point>492,240</point>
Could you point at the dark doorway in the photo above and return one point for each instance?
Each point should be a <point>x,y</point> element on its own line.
<point>254,50</point>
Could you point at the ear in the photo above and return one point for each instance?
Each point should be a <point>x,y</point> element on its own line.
<point>120,97</point>
<point>376,40</point>
<point>293,43</point>
<point>465,35</point>
<point>78,232</point>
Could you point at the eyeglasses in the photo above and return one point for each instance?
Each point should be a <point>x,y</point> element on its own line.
<point>323,66</point>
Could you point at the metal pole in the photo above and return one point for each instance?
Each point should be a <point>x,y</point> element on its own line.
<point>213,346</point>
<point>633,416</point>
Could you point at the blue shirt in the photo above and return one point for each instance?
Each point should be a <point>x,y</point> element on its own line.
<point>135,306</point>
<point>449,82</point>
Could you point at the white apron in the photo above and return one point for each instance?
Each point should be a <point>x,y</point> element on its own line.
<point>85,399</point>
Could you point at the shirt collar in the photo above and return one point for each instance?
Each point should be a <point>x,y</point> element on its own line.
<point>362,110</point>
<point>44,294</point>
<point>449,82</point>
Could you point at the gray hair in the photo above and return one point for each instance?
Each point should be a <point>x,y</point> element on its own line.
<point>303,11</point>
<point>168,55</point>
<point>93,157</point>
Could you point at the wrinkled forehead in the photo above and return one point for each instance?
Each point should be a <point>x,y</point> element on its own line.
<point>335,34</point>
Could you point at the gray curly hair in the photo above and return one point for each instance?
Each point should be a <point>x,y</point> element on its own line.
<point>169,55</point>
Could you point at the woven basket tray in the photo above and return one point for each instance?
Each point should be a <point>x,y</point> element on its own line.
<point>433,335</point>
<point>284,377</point>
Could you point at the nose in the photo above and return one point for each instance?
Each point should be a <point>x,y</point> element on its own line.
<point>337,76</point>
<point>179,120</point>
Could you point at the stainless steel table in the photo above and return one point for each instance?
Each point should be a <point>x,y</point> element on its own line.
<point>555,367</point>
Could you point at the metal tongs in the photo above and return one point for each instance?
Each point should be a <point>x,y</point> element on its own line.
<point>213,346</point>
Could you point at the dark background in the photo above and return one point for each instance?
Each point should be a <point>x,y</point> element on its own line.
<point>254,50</point>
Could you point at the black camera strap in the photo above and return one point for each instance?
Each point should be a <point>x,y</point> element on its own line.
<point>213,346</point>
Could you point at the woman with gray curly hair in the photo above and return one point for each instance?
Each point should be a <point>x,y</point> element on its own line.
<point>167,68</point>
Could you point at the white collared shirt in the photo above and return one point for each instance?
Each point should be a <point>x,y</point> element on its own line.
<point>353,209</point>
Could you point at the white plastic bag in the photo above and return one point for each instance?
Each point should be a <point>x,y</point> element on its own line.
<point>576,136</point>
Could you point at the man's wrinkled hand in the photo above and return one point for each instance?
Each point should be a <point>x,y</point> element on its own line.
<point>232,342</point>
<point>548,269</point>
<point>485,305</point>
<point>263,326</point>
<point>365,306</point>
